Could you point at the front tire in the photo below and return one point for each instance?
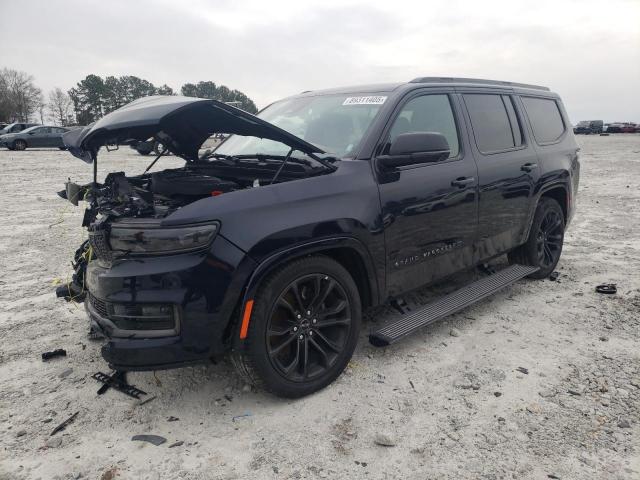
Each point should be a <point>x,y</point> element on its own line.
<point>546,237</point>
<point>303,329</point>
<point>19,145</point>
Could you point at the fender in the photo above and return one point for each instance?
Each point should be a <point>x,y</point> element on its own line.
<point>316,246</point>
<point>534,206</point>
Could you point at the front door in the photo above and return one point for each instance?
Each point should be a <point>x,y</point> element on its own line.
<point>37,137</point>
<point>429,210</point>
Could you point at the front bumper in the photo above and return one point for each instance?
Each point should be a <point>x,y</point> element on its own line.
<point>203,288</point>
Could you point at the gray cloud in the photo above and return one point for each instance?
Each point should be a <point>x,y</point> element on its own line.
<point>587,51</point>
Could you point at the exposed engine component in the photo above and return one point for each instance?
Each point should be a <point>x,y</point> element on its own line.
<point>183,183</point>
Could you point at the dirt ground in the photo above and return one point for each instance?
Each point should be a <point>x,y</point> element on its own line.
<point>453,399</point>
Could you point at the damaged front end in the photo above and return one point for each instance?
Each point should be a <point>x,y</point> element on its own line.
<point>155,289</point>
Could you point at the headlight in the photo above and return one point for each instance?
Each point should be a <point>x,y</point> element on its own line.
<point>161,240</point>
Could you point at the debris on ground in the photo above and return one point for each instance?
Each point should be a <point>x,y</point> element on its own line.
<point>117,381</point>
<point>60,352</point>
<point>624,423</point>
<point>176,444</point>
<point>385,439</point>
<point>607,288</point>
<point>64,424</point>
<point>146,400</point>
<point>553,276</point>
<point>109,474</point>
<point>523,370</point>
<point>454,332</point>
<point>245,414</point>
<point>154,439</point>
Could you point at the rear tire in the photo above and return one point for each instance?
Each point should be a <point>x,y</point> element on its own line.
<point>298,343</point>
<point>544,244</point>
<point>19,145</point>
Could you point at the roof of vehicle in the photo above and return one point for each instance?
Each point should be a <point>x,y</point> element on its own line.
<point>431,81</point>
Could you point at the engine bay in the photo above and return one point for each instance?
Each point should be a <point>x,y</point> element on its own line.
<point>160,193</point>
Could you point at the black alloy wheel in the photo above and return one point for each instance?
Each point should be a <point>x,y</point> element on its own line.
<point>549,239</point>
<point>303,328</point>
<point>546,237</point>
<point>19,145</point>
<point>308,327</point>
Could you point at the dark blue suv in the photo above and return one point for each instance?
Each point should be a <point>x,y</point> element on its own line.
<point>325,203</point>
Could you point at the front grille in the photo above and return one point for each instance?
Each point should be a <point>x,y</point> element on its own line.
<point>100,245</point>
<point>99,306</point>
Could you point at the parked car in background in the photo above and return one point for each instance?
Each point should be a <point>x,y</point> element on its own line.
<point>588,127</point>
<point>623,127</point>
<point>16,127</point>
<point>2,125</point>
<point>39,136</point>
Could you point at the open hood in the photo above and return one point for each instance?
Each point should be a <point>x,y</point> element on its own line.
<point>181,123</point>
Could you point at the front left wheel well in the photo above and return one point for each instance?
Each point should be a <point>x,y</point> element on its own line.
<point>348,257</point>
<point>351,260</point>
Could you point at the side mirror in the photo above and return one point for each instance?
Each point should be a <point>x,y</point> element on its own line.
<point>414,148</point>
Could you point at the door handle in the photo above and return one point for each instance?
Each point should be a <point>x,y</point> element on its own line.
<point>528,167</point>
<point>462,181</point>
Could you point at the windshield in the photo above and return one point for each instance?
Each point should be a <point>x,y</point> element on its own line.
<point>334,123</point>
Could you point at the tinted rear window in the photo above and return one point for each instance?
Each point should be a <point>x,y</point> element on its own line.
<point>546,120</point>
<point>490,122</point>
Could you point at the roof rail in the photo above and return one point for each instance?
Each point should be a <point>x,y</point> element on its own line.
<point>475,80</point>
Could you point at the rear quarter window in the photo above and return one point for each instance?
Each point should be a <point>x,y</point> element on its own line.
<point>545,118</point>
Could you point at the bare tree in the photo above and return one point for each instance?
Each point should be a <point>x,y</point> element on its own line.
<point>20,95</point>
<point>60,106</point>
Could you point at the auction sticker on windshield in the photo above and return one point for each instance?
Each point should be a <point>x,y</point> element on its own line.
<point>372,100</point>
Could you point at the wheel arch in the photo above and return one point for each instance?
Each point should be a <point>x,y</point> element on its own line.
<point>559,191</point>
<point>347,251</point>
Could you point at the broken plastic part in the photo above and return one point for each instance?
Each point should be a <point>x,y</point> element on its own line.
<point>59,352</point>
<point>117,381</point>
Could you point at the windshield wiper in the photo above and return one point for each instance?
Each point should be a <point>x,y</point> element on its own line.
<point>208,155</point>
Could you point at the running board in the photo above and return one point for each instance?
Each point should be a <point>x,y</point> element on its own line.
<point>449,304</point>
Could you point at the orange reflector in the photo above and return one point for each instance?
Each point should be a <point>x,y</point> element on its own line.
<point>244,328</point>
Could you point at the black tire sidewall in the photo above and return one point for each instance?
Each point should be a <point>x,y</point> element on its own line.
<point>530,250</point>
<point>16,144</point>
<point>256,345</point>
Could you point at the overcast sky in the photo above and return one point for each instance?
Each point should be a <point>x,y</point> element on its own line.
<point>587,51</point>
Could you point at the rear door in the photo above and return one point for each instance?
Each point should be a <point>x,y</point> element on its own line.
<point>39,137</point>
<point>508,169</point>
<point>429,210</point>
<point>55,137</point>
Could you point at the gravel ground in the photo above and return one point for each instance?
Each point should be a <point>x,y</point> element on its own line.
<point>540,381</point>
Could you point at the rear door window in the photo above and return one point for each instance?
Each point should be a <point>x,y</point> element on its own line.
<point>546,120</point>
<point>494,122</point>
